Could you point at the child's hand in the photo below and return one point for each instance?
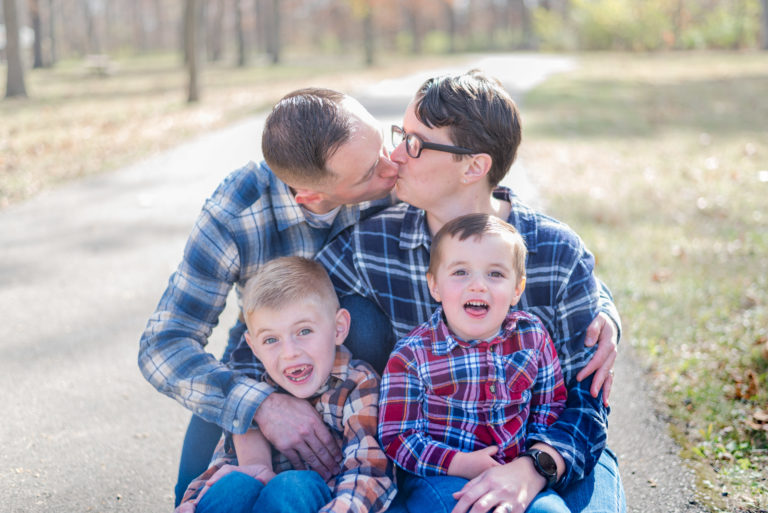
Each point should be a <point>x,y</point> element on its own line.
<point>471,464</point>
<point>257,471</point>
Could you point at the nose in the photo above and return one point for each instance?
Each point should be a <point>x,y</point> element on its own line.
<point>399,154</point>
<point>290,349</point>
<point>477,283</point>
<point>387,168</point>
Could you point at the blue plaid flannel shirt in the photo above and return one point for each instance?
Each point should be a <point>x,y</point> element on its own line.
<point>251,218</point>
<point>385,258</point>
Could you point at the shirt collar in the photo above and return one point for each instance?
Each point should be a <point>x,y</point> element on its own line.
<point>443,340</point>
<point>288,213</point>
<point>414,231</point>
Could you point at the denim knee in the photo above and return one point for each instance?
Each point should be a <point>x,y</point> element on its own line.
<point>234,493</point>
<point>297,491</point>
<point>547,502</point>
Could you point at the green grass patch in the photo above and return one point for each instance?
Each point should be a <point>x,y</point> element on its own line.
<point>661,163</point>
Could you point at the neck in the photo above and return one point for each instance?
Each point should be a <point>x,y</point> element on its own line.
<point>473,202</point>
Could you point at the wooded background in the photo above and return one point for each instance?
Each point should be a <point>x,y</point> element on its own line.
<point>40,32</point>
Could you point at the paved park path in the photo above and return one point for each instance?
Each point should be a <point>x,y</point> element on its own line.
<point>82,268</point>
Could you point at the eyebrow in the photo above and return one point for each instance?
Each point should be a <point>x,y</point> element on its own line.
<point>263,330</point>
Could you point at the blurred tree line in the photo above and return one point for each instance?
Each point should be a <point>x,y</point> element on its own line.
<point>40,32</point>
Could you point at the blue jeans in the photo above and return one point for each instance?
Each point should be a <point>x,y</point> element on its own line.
<point>298,491</point>
<point>435,494</point>
<point>599,492</point>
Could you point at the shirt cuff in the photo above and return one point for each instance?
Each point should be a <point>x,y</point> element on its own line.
<point>241,405</point>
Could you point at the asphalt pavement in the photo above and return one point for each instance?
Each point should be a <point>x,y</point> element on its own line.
<point>82,268</point>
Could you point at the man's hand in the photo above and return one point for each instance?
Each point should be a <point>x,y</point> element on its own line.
<point>509,488</point>
<point>602,331</point>
<point>471,464</point>
<point>295,429</point>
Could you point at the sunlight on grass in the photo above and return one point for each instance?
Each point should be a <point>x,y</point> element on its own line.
<point>659,161</point>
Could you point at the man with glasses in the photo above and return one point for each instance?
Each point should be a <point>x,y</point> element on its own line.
<point>458,140</point>
<point>327,161</point>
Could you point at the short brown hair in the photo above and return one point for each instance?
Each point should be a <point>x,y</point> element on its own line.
<point>281,281</point>
<point>480,114</point>
<point>478,225</point>
<point>303,130</point>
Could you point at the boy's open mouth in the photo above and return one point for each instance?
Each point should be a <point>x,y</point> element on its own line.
<point>476,307</point>
<point>298,373</point>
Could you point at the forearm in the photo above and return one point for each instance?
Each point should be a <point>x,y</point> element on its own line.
<point>181,369</point>
<point>579,434</point>
<point>252,448</point>
<point>609,308</point>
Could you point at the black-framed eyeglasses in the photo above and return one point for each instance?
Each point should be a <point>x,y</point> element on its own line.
<point>414,144</point>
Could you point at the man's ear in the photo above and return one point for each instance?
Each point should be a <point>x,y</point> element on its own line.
<point>478,168</point>
<point>343,321</point>
<point>306,196</point>
<point>433,287</point>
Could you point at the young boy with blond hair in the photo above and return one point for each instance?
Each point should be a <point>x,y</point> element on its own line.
<point>296,330</point>
<point>462,391</point>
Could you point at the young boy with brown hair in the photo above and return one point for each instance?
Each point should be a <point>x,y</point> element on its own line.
<point>463,390</point>
<point>296,330</point>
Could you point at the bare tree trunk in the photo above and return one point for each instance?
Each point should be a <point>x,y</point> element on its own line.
<point>93,41</point>
<point>765,23</point>
<point>51,33</point>
<point>450,16</point>
<point>139,27</point>
<point>529,39</point>
<point>37,29</point>
<point>239,34</point>
<point>191,49</point>
<point>215,31</point>
<point>261,26</point>
<point>273,32</point>
<point>14,85</point>
<point>369,36</point>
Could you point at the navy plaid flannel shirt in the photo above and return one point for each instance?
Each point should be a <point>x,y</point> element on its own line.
<point>385,258</point>
<point>251,218</point>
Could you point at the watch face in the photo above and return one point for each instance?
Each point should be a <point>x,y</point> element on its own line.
<point>547,463</point>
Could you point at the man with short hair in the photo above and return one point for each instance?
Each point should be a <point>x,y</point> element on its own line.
<point>328,162</point>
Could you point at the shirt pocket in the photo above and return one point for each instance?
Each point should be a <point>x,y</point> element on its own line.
<point>520,369</point>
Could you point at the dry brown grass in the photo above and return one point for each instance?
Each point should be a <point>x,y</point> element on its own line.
<point>76,123</point>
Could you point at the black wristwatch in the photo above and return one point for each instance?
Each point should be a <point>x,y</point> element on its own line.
<point>544,465</point>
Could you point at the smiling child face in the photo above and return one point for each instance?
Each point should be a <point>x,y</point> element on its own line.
<point>476,284</point>
<point>297,343</point>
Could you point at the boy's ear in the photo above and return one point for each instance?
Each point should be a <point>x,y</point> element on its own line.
<point>343,321</point>
<point>518,291</point>
<point>248,339</point>
<point>306,196</point>
<point>433,287</point>
<point>478,168</point>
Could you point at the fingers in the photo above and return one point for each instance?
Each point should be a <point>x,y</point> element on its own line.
<point>593,330</point>
<point>310,452</point>
<point>607,385</point>
<point>603,373</point>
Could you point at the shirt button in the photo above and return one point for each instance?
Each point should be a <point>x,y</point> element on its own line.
<point>493,389</point>
<point>235,422</point>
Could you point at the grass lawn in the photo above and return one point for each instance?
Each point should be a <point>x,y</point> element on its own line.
<point>76,123</point>
<point>660,162</point>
